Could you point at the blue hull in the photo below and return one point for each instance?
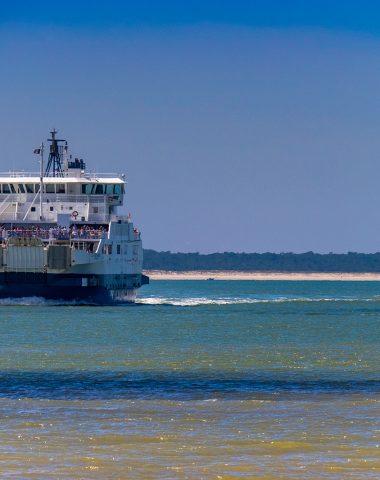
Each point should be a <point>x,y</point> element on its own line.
<point>82,288</point>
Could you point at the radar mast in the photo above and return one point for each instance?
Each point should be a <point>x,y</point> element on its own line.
<point>55,160</point>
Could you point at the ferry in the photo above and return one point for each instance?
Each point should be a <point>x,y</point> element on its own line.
<point>61,235</point>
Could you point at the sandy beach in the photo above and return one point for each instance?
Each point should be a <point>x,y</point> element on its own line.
<point>235,275</point>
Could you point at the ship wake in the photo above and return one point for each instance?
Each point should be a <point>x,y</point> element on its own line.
<point>200,301</point>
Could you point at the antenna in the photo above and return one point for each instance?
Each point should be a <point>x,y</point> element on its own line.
<point>55,156</point>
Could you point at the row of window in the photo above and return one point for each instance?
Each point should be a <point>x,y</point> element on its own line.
<point>33,209</point>
<point>31,188</point>
<point>107,249</point>
<point>100,189</point>
<point>87,189</point>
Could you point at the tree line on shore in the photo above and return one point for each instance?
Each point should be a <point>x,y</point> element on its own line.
<point>279,262</point>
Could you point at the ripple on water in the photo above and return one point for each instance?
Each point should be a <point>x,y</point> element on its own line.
<point>250,380</point>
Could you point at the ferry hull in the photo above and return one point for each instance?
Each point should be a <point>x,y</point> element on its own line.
<point>68,287</point>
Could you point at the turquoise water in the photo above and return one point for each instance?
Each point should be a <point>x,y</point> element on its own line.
<point>200,379</point>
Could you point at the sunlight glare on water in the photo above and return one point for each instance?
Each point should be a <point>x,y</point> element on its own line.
<point>222,379</point>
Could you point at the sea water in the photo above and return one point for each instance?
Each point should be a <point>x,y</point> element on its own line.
<point>198,380</point>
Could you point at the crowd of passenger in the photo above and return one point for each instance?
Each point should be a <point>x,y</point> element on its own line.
<point>56,232</point>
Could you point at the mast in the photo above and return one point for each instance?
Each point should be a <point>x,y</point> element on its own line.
<point>55,156</point>
<point>41,176</point>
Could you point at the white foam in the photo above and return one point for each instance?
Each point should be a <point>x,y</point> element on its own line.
<point>184,302</point>
<point>198,301</point>
<point>36,301</point>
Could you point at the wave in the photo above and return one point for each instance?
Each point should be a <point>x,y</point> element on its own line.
<point>180,386</point>
<point>199,301</point>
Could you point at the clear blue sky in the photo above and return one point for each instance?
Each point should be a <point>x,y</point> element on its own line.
<point>241,126</point>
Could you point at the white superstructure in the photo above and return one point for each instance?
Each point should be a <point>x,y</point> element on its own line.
<point>87,197</point>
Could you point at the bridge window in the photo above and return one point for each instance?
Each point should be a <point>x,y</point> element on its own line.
<point>21,188</point>
<point>29,188</point>
<point>61,188</point>
<point>50,188</point>
<point>13,189</point>
<point>99,190</point>
<point>114,189</point>
<point>89,188</point>
<point>6,188</point>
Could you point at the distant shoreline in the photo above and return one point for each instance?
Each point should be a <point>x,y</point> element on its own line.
<point>238,275</point>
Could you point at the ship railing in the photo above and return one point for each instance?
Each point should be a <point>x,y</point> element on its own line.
<point>51,217</point>
<point>53,234</point>
<point>22,198</point>
<point>87,175</point>
<point>59,197</point>
<point>53,197</point>
<point>15,216</point>
<point>97,176</point>
<point>15,197</point>
<point>22,174</point>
